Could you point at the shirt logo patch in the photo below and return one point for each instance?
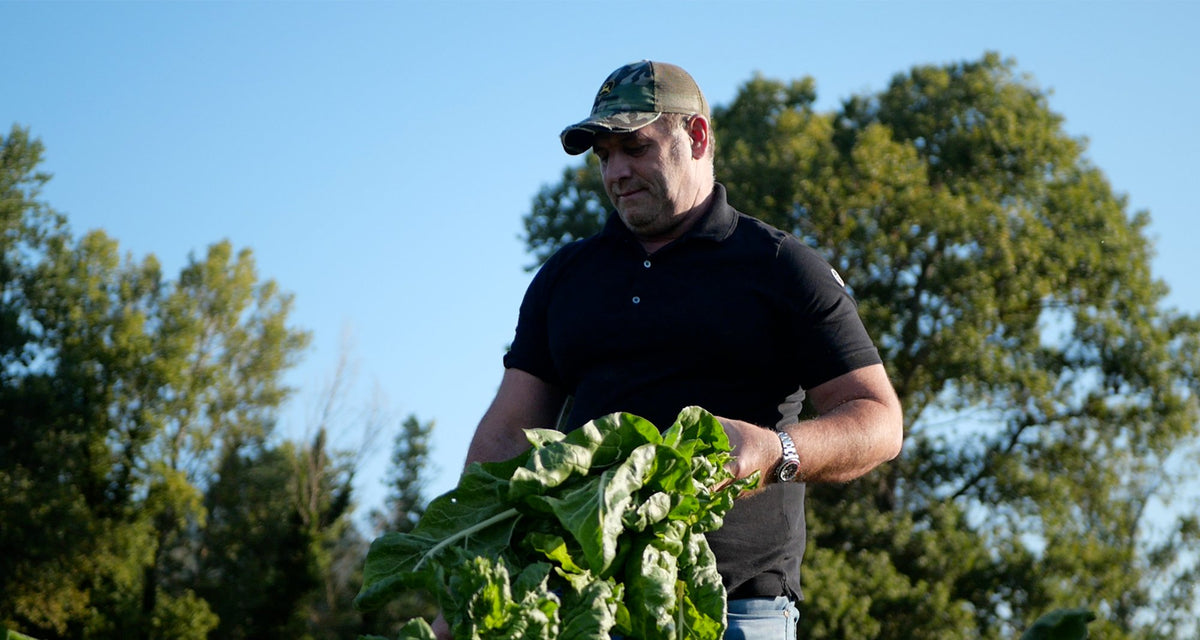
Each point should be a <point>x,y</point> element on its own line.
<point>837,277</point>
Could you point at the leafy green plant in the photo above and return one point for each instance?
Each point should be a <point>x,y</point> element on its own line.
<point>596,532</point>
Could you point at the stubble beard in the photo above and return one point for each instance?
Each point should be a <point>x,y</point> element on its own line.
<point>645,222</point>
<point>649,215</point>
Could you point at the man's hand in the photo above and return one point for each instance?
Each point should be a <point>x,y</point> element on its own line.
<point>754,449</point>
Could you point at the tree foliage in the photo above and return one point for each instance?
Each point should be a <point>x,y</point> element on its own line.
<point>1050,396</point>
<point>403,507</point>
<point>141,494</point>
<point>406,500</point>
<point>274,518</point>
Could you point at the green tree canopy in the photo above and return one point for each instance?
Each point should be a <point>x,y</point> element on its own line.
<point>403,507</point>
<point>1049,394</point>
<point>123,396</point>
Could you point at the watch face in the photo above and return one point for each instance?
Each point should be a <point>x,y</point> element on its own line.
<point>787,471</point>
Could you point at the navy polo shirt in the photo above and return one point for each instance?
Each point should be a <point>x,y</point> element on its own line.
<point>733,317</point>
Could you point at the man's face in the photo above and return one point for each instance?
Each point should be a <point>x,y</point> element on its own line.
<point>649,176</point>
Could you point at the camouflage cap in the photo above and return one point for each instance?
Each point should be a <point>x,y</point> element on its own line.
<point>632,97</point>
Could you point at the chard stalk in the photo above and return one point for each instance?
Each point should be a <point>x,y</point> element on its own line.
<point>465,533</point>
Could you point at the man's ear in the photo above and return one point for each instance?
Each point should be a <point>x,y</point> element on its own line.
<point>697,129</point>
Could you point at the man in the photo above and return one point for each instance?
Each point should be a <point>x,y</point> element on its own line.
<point>681,300</point>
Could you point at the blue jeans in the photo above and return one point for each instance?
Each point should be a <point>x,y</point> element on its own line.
<point>762,619</point>
<point>759,619</point>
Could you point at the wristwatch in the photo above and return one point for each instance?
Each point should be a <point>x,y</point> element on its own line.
<point>789,468</point>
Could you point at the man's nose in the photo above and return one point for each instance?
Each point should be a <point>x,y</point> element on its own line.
<point>616,167</point>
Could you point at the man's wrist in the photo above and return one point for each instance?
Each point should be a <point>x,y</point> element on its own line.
<point>788,468</point>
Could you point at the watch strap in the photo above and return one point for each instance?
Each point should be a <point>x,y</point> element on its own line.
<point>789,466</point>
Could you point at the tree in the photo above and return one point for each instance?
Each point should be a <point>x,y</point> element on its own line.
<point>120,394</point>
<point>26,222</point>
<point>263,556</point>
<point>406,501</point>
<point>1048,394</point>
<point>70,532</point>
<point>403,507</point>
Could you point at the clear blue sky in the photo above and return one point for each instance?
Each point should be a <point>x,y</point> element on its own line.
<point>377,157</point>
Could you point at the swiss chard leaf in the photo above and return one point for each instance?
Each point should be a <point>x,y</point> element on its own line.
<point>593,512</point>
<point>654,508</point>
<point>390,569</point>
<point>652,583</point>
<point>703,605</point>
<point>497,607</point>
<point>595,445</point>
<point>602,527</point>
<point>469,518</point>
<point>591,613</point>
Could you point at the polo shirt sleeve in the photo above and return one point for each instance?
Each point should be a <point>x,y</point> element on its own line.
<point>530,350</point>
<point>828,336</point>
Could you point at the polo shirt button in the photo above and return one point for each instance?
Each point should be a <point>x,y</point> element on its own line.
<point>637,300</point>
<point>646,264</point>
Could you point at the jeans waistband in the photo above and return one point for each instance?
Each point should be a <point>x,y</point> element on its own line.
<point>755,605</point>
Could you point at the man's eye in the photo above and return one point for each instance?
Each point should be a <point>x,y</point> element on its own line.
<point>637,151</point>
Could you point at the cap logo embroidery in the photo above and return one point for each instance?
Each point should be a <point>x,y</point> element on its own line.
<point>606,89</point>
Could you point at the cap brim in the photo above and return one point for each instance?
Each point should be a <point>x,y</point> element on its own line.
<point>579,137</point>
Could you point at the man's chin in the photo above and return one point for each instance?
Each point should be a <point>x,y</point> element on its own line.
<point>637,220</point>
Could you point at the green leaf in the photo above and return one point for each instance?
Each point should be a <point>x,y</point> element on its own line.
<point>697,432</point>
<point>672,472</point>
<point>605,525</point>
<point>645,513</point>
<point>498,608</point>
<point>554,547</point>
<point>469,518</point>
<point>595,445</point>
<point>652,577</point>
<point>390,569</point>
<point>702,606</point>
<point>593,512</point>
<point>415,629</point>
<point>591,613</point>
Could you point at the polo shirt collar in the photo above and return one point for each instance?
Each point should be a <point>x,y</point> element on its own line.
<point>717,224</point>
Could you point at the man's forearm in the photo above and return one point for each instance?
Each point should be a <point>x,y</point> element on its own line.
<point>522,402</point>
<point>496,444</point>
<point>848,441</point>
<point>859,426</point>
